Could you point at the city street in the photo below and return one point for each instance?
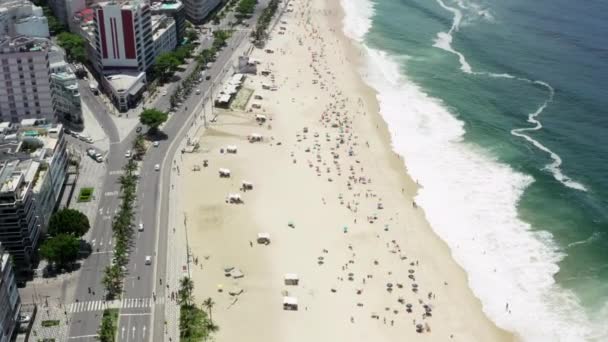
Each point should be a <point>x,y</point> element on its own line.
<point>144,291</point>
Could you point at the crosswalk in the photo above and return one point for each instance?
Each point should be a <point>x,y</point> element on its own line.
<point>125,303</point>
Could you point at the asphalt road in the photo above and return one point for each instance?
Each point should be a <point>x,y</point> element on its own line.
<point>142,282</point>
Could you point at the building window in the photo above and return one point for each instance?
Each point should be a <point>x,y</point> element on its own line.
<point>6,69</point>
<point>18,60</point>
<point>37,104</point>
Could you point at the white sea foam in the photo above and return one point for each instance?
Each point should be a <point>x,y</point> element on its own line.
<point>444,42</point>
<point>471,200</point>
<point>357,18</point>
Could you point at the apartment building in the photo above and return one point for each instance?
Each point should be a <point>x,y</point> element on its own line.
<point>198,10</point>
<point>25,90</point>
<point>124,35</point>
<point>22,18</point>
<point>163,36</point>
<point>64,85</point>
<point>176,10</point>
<point>32,173</point>
<point>10,302</point>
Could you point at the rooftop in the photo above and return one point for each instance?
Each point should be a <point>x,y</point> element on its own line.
<point>125,80</point>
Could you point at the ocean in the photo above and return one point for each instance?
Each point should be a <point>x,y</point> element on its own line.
<point>500,110</point>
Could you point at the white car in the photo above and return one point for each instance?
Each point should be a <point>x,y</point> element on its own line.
<point>157,167</point>
<point>148,260</point>
<point>88,139</point>
<point>128,154</point>
<point>165,93</point>
<point>140,227</point>
<point>156,143</point>
<point>198,91</point>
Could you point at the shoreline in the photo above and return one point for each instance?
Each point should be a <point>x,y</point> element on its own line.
<point>285,190</point>
<point>413,186</point>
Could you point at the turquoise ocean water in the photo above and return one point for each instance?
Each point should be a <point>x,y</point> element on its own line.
<point>500,109</point>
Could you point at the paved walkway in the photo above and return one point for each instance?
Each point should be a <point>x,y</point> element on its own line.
<point>93,129</point>
<point>54,311</point>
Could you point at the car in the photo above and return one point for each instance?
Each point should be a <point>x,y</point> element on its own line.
<point>138,129</point>
<point>208,77</point>
<point>140,227</point>
<point>99,158</point>
<point>165,93</point>
<point>157,167</point>
<point>75,134</point>
<point>198,91</point>
<point>88,139</point>
<point>67,131</point>
<point>156,143</point>
<point>148,260</point>
<point>128,154</point>
<point>24,318</point>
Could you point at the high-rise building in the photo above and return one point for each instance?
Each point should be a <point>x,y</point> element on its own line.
<point>22,18</point>
<point>163,28</point>
<point>198,10</point>
<point>64,10</point>
<point>176,10</point>
<point>25,90</point>
<point>64,84</point>
<point>32,173</point>
<point>124,35</point>
<point>10,302</point>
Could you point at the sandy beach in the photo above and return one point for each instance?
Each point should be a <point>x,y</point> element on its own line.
<point>334,199</point>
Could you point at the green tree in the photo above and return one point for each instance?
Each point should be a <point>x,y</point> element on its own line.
<point>139,145</point>
<point>107,330</point>
<point>191,35</point>
<point>69,221</point>
<point>61,249</point>
<point>184,294</point>
<point>166,65</point>
<point>74,46</point>
<point>209,304</point>
<point>152,118</point>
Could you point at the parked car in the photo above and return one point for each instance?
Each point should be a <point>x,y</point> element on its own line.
<point>157,167</point>
<point>148,260</point>
<point>138,129</point>
<point>140,227</point>
<point>156,143</point>
<point>128,154</point>
<point>98,157</point>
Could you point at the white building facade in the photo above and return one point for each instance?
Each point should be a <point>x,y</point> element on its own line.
<point>164,34</point>
<point>124,35</point>
<point>25,90</point>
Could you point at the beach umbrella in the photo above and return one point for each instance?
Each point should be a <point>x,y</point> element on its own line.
<point>345,229</point>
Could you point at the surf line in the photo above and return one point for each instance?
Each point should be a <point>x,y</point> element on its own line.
<point>444,42</point>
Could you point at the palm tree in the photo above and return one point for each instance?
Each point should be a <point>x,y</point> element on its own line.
<point>186,286</point>
<point>208,304</point>
<point>210,327</point>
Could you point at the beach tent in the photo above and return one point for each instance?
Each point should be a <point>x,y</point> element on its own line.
<point>290,303</point>
<point>224,172</point>
<point>234,198</point>
<point>247,185</point>
<point>260,117</point>
<point>263,238</point>
<point>255,137</point>
<point>231,149</point>
<point>237,274</point>
<point>291,279</point>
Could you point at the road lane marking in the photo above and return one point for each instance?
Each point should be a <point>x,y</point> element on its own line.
<point>116,172</point>
<point>111,193</point>
<point>136,314</point>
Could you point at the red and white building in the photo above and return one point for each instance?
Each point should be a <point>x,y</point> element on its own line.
<point>124,35</point>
